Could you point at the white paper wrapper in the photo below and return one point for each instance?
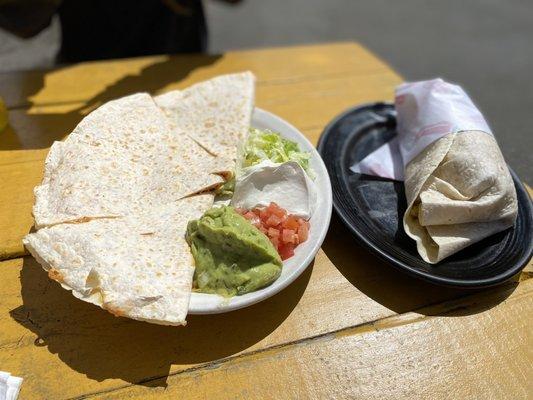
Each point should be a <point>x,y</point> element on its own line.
<point>9,386</point>
<point>457,185</point>
<point>426,111</point>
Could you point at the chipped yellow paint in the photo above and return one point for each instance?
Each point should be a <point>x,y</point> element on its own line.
<point>19,173</point>
<point>468,354</point>
<point>48,336</point>
<point>87,347</point>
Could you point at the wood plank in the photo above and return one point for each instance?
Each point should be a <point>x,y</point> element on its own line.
<point>472,352</point>
<point>48,336</point>
<point>20,171</point>
<point>99,81</point>
<point>37,128</point>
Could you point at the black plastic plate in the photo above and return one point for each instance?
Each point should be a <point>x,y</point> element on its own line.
<point>372,208</point>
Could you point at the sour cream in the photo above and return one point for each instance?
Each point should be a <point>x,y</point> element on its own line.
<point>285,184</point>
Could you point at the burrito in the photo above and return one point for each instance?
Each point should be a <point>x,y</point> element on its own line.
<point>459,191</point>
<point>457,184</point>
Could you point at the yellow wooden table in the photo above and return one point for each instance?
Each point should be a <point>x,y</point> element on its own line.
<point>349,327</point>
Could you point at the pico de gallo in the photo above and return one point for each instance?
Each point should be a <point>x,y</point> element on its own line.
<point>285,231</point>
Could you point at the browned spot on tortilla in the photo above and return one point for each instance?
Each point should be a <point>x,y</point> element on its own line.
<point>55,275</point>
<point>209,124</point>
<point>226,175</point>
<point>83,220</point>
<point>117,312</point>
<point>207,189</point>
<point>147,233</point>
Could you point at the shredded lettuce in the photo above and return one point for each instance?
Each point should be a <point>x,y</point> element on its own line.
<point>269,145</point>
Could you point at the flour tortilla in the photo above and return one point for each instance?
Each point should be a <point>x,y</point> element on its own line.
<point>459,191</point>
<point>138,266</point>
<point>118,193</point>
<point>121,159</point>
<point>215,113</point>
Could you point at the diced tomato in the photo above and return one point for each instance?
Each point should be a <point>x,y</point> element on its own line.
<point>283,230</point>
<point>273,220</point>
<point>264,214</point>
<point>272,232</point>
<point>249,216</point>
<point>287,236</point>
<point>291,223</point>
<point>296,240</point>
<point>302,221</point>
<point>254,219</point>
<point>286,251</point>
<point>303,233</point>
<point>273,208</point>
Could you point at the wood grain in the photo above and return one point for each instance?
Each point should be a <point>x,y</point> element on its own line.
<point>80,344</point>
<point>485,355</point>
<point>48,336</point>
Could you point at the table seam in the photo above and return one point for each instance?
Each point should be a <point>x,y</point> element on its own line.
<point>357,329</point>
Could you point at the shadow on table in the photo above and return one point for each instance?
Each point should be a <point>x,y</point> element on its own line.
<point>39,127</point>
<point>90,340</point>
<point>94,342</point>
<point>396,290</point>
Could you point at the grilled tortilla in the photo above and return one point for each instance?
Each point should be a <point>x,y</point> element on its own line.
<point>215,113</point>
<point>121,159</point>
<point>138,266</point>
<point>117,194</point>
<point>459,191</point>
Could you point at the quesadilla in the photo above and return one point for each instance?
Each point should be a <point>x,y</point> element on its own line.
<point>215,113</point>
<point>459,191</point>
<point>138,266</point>
<point>121,159</point>
<point>117,194</point>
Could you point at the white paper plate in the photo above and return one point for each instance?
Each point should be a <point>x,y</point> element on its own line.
<point>292,268</point>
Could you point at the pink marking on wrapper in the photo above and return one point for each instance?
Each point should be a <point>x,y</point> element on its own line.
<point>440,128</point>
<point>399,99</point>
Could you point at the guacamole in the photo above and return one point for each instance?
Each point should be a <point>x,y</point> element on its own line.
<point>232,256</point>
<point>227,188</point>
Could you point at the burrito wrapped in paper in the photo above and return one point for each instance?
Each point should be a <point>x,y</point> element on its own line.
<point>458,187</point>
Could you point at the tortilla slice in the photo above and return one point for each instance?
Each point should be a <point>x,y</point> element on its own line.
<point>138,266</point>
<point>459,191</point>
<point>121,159</point>
<point>216,113</point>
